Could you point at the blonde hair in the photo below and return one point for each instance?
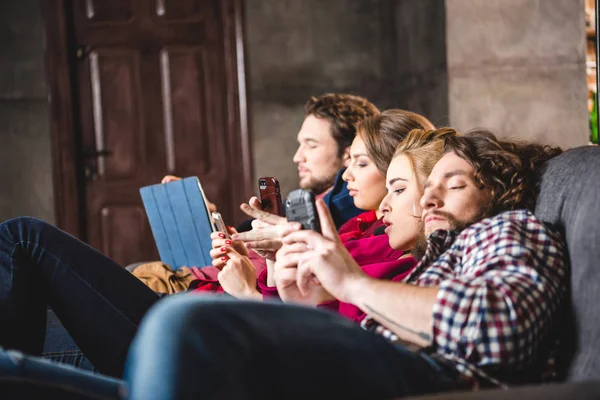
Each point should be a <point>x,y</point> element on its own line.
<point>423,149</point>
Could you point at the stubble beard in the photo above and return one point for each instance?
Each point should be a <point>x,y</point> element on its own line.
<point>319,185</point>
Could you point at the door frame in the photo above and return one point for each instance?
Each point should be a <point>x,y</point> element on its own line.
<point>67,164</point>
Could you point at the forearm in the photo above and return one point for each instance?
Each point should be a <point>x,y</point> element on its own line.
<point>407,310</point>
<point>270,273</point>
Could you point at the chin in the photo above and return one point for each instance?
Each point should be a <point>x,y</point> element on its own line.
<point>436,227</point>
<point>304,183</point>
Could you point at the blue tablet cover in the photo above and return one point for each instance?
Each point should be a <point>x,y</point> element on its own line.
<point>180,222</point>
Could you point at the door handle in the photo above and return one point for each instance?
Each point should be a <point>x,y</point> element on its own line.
<point>93,153</point>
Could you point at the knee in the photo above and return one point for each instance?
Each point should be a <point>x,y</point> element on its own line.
<point>21,224</point>
<point>178,316</point>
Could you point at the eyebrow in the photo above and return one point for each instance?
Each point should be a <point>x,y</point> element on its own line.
<point>394,180</point>
<point>356,155</point>
<point>447,175</point>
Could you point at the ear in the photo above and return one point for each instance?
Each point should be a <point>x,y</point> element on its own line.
<point>346,157</point>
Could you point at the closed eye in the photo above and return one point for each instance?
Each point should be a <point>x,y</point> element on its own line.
<point>458,187</point>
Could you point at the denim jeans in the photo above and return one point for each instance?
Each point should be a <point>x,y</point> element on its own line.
<point>60,347</point>
<point>24,377</point>
<point>203,347</point>
<point>99,303</point>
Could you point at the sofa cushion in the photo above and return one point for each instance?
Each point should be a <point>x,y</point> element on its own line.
<point>570,199</point>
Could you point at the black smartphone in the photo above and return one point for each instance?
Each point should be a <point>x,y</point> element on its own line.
<point>270,195</point>
<point>300,207</point>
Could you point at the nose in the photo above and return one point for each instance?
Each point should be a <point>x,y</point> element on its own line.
<point>384,206</point>
<point>431,199</point>
<point>299,155</point>
<point>347,175</point>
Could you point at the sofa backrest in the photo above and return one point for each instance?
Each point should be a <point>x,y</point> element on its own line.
<point>570,199</point>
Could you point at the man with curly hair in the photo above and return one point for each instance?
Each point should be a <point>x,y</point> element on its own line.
<point>480,309</point>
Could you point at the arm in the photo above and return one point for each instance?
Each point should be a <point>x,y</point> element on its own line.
<point>405,309</point>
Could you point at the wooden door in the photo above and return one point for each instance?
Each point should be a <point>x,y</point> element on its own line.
<point>155,88</point>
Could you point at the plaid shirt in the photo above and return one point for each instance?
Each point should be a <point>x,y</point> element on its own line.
<point>501,284</point>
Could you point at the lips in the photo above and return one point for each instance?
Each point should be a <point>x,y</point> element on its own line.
<point>432,218</point>
<point>352,192</point>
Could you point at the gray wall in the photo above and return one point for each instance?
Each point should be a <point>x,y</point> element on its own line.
<point>518,67</point>
<point>300,48</point>
<point>25,171</point>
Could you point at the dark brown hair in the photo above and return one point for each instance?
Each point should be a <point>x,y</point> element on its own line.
<point>344,111</point>
<point>383,133</point>
<point>508,169</point>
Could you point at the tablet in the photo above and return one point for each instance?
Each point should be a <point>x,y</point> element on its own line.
<point>180,221</point>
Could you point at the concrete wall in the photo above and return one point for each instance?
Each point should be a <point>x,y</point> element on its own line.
<point>25,171</point>
<point>518,67</point>
<point>392,52</point>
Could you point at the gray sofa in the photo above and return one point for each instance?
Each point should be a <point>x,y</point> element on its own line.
<point>569,198</point>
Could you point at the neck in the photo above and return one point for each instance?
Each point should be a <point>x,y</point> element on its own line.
<point>322,194</point>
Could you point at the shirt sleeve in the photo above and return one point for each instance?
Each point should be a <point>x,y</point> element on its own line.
<point>266,290</point>
<point>500,307</point>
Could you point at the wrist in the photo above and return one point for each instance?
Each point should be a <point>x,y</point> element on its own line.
<point>252,294</point>
<point>356,288</point>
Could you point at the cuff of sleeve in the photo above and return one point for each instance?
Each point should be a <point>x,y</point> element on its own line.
<point>267,291</point>
<point>332,305</point>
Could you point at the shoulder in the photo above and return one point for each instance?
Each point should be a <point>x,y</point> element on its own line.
<point>513,228</point>
<point>509,221</point>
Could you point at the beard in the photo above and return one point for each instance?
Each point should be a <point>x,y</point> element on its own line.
<point>318,185</point>
<point>419,248</point>
<point>457,225</point>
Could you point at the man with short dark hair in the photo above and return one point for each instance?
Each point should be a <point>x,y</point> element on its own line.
<point>480,309</point>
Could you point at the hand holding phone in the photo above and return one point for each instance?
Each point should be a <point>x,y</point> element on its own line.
<point>300,207</point>
<point>218,220</point>
<point>270,195</point>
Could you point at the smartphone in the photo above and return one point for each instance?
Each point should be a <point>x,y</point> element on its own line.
<point>300,207</point>
<point>270,195</point>
<point>218,220</point>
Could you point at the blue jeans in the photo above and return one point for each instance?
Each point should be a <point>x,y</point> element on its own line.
<point>24,377</point>
<point>99,303</point>
<point>60,347</point>
<point>202,347</point>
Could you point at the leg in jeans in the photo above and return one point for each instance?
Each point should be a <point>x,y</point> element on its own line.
<point>99,303</point>
<point>24,377</point>
<point>60,347</point>
<point>206,347</point>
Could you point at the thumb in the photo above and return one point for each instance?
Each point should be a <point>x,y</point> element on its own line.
<point>328,228</point>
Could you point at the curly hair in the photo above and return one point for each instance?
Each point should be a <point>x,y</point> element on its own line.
<point>344,111</point>
<point>383,133</point>
<point>508,169</point>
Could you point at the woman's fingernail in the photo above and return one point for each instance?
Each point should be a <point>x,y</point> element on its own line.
<point>224,258</point>
<point>228,242</point>
<point>223,249</point>
<point>222,235</point>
